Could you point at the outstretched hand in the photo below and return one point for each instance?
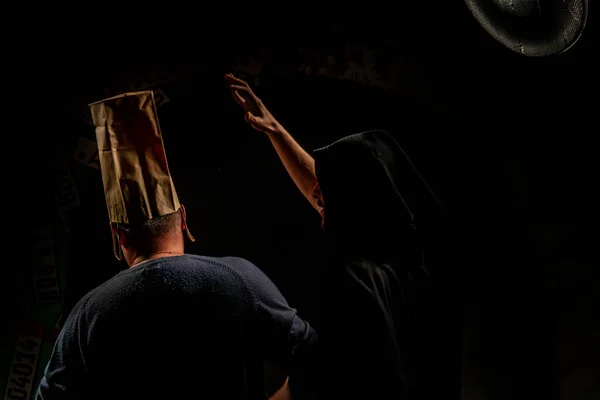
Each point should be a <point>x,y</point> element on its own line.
<point>257,115</point>
<point>299,164</point>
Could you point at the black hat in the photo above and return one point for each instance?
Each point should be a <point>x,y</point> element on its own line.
<point>534,28</point>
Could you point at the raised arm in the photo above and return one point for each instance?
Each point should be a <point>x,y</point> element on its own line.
<point>298,163</point>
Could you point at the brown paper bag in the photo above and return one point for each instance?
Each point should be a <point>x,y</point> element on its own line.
<point>135,174</point>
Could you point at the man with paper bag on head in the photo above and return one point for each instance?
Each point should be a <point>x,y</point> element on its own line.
<point>172,325</point>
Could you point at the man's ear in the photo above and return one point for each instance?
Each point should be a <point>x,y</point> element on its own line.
<point>184,226</point>
<point>183,217</point>
<point>119,234</point>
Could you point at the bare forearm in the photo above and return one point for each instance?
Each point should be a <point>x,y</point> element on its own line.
<point>283,393</point>
<point>298,163</point>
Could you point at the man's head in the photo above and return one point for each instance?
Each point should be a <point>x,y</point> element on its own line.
<point>143,207</point>
<point>158,236</point>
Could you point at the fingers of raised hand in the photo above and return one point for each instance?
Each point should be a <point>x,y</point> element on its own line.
<point>238,97</point>
<point>253,121</point>
<point>242,88</point>
<point>233,80</point>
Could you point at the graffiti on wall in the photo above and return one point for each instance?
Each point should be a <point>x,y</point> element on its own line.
<point>25,361</point>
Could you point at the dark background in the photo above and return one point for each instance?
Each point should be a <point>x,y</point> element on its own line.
<point>507,141</point>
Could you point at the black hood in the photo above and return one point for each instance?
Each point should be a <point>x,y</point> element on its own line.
<point>375,199</point>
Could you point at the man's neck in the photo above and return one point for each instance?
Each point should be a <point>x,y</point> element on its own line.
<point>160,254</point>
<point>167,248</point>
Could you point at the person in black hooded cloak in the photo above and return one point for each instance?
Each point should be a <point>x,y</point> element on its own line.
<point>385,331</point>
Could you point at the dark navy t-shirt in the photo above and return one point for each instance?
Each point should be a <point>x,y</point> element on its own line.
<point>177,327</point>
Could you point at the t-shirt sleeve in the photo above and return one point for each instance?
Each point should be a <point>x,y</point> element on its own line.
<point>65,372</point>
<point>282,335</point>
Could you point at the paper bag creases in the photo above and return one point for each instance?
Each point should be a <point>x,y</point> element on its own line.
<point>135,173</point>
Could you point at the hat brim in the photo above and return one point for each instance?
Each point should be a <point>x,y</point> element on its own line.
<point>532,28</point>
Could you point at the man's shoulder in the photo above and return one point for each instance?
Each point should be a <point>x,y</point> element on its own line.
<point>237,264</point>
<point>253,278</point>
<point>141,278</point>
<point>198,265</point>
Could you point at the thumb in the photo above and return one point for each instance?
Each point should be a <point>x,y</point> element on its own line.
<point>250,118</point>
<point>253,121</point>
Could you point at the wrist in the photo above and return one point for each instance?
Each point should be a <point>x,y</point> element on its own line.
<point>274,129</point>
